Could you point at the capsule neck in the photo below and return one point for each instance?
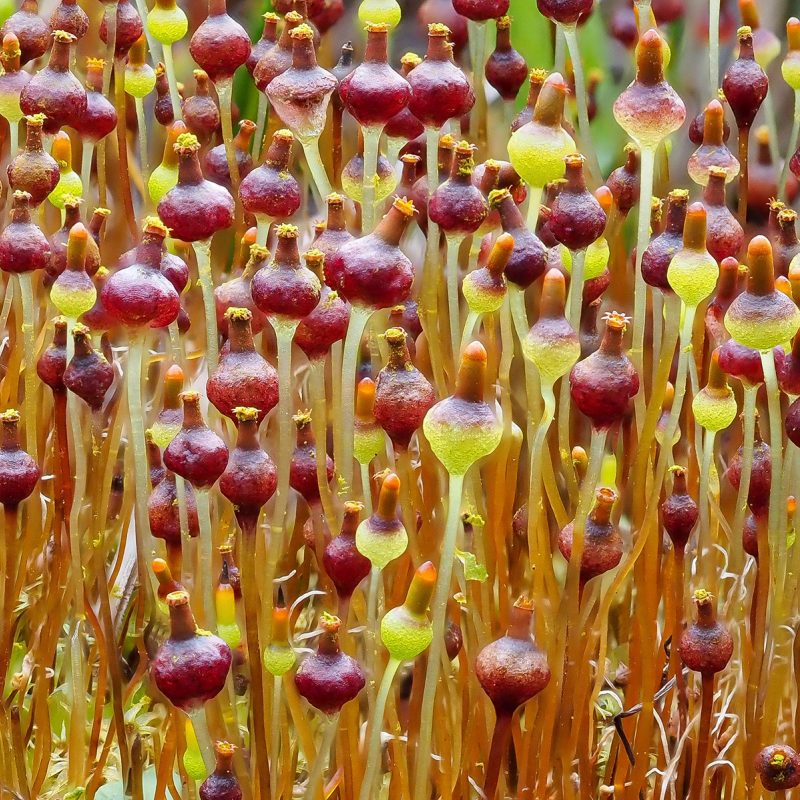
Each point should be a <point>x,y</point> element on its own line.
<point>761,275</point>
<point>192,417</point>
<point>549,109</point>
<point>189,170</point>
<point>714,192</point>
<point>519,622</point>
<point>676,214</point>
<point>10,432</point>
<point>376,51</point>
<point>181,621</point>
<point>287,254</point>
<point>392,227</point>
<point>611,343</point>
<point>469,383</point>
<point>217,8</point>
<point>59,55</point>
<point>240,335</point>
<point>304,56</point>
<point>438,49</point>
<point>33,137</point>
<point>399,357</point>
<point>279,152</point>
<point>650,60</point>
<point>714,126</point>
<point>247,435</point>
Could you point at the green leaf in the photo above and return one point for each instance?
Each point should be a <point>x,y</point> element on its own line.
<point>473,571</point>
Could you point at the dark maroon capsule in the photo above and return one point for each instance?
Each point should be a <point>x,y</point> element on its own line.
<point>23,246</point>
<point>679,512</point>
<point>706,645</point>
<point>344,564</point>
<point>236,293</point>
<point>567,12</point>
<point>216,160</point>
<point>373,92</point>
<point>727,289</point>
<point>191,666</point>
<point>506,69</point>
<point>303,470</point>
<point>70,17</point>
<point>53,361</point>
<point>724,234</point>
<point>163,511</point>
<point>32,170</point>
<point>745,84</point>
<point>761,471</point>
<point>328,679</point>
<point>741,362</point>
<point>243,377</point>
<point>220,45</point>
<point>403,395</point>
<point>440,90</point>
<point>250,478</point>
<point>279,57</point>
<point>196,453</point>
<point>603,384</point>
<point>18,471</point>
<point>576,217</point>
<point>662,248</point>
<point>270,190</point>
<point>624,181</point>
<point>88,374</point>
<point>32,32</point>
<point>269,36</point>
<point>778,766</point>
<point>129,28</point>
<point>222,783</point>
<point>200,112</point>
<point>327,323</point>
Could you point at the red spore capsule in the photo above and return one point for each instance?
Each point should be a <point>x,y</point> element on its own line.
<point>344,564</point>
<point>19,473</point>
<point>440,90</point>
<point>222,783</point>
<point>216,160</point>
<point>329,678</point>
<point>190,667</point>
<point>327,323</point>
<point>679,512</point>
<point>778,766</point>
<point>603,384</point>
<point>269,36</point>
<point>88,374</point>
<point>139,294</point>
<point>163,512</point>
<point>53,361</point>
<point>23,246</point>
<point>243,378</point>
<point>196,453</point>
<point>375,271</point>
<point>506,69</point>
<point>250,478</point>
<point>576,217</point>
<point>200,112</point>
<point>220,45</point>
<point>195,209</point>
<point>624,181</point>
<point>129,28</point>
<point>285,289</point>
<point>32,32</point>
<point>33,170</point>
<point>706,645</point>
<point>236,293</point>
<point>373,92</point>
<point>457,206</point>
<point>270,189</point>
<point>602,548</point>
<point>403,395</point>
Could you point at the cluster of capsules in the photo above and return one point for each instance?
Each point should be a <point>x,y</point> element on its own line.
<point>476,410</point>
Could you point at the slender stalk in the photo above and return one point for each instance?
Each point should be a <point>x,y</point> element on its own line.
<point>204,577</point>
<point>472,321</point>
<point>706,706</point>
<point>359,317</point>
<point>772,127</point>
<point>86,165</point>
<point>259,766</point>
<point>366,489</point>
<point>136,419</point>
<point>77,721</point>
<point>791,147</point>
<point>13,138</point>
<point>144,161</point>
<point>204,741</point>
<point>275,735</point>
<point>438,613</point>
<point>122,146</point>
<point>262,228</point>
<point>713,48</point>
<point>284,333</point>
<point>330,726</point>
<point>429,305</point>
<point>373,635</point>
<point>202,252</point>
<point>29,343</point>
<point>110,17</point>
<point>750,395</point>
<point>315,166</point>
<point>560,52</point>
<point>500,739</point>
<point>373,758</point>
<point>319,424</point>
<point>261,124</point>
<point>744,173</point>
<point>704,541</point>
<point>581,98</point>
<point>534,207</point>
<point>174,96</point>
<point>224,93</point>
<point>453,243</point>
<point>372,137</point>
<point>478,31</point>
<point>646,169</point>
